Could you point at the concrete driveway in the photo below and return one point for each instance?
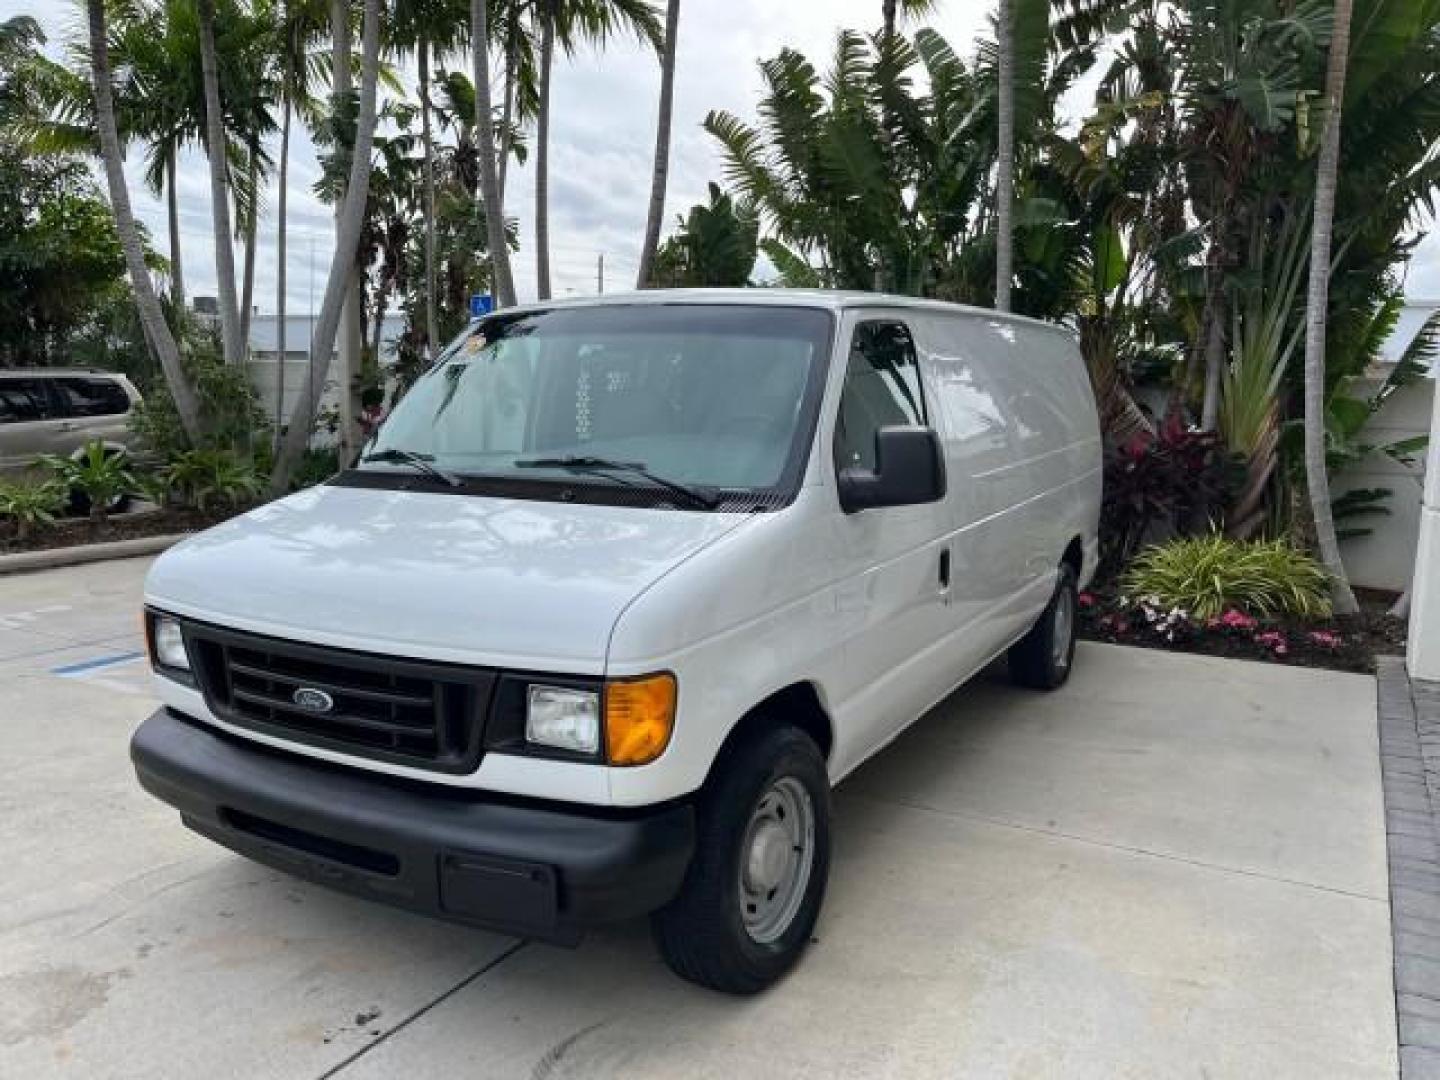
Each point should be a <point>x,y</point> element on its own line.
<point>1173,867</point>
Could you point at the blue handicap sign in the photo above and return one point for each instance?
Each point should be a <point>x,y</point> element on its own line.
<point>481,304</point>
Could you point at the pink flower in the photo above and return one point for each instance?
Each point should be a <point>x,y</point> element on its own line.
<point>1235,619</point>
<point>1087,599</point>
<point>1274,640</point>
<point>1326,639</point>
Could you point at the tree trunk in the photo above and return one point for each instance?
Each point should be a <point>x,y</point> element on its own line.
<point>342,262</point>
<point>152,317</point>
<point>661,171</point>
<point>887,18</point>
<point>503,283</point>
<point>427,135</point>
<point>230,338</point>
<point>351,337</point>
<point>177,264</point>
<point>542,158</point>
<point>252,224</point>
<point>1214,363</point>
<point>281,240</point>
<point>1317,477</point>
<point>510,106</point>
<point>1005,156</point>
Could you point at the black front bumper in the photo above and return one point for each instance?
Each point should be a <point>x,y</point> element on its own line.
<point>532,870</point>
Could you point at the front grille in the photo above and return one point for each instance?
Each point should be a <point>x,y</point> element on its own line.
<point>404,711</point>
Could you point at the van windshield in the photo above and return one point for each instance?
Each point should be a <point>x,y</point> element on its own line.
<point>706,396</point>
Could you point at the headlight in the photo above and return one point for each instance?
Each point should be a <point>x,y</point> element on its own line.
<point>169,645</point>
<point>563,718</point>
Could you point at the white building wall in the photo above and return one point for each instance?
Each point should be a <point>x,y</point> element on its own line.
<point>1386,558</point>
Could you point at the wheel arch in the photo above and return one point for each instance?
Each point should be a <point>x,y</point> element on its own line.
<point>799,704</point>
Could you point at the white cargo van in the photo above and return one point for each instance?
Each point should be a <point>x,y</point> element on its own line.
<point>614,596</point>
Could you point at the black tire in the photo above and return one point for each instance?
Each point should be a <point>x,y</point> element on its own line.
<point>1039,660</point>
<point>702,933</point>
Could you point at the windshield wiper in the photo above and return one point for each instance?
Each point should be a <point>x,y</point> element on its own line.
<point>418,462</point>
<point>577,463</point>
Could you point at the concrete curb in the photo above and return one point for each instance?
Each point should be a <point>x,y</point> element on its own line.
<point>1410,776</point>
<point>87,553</point>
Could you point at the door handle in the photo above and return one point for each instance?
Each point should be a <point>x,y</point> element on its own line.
<point>945,570</point>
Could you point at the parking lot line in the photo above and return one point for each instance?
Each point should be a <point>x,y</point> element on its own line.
<point>69,671</point>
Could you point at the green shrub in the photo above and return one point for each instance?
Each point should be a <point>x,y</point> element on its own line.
<point>207,478</point>
<point>30,503</point>
<point>98,473</point>
<point>229,407</point>
<point>318,465</point>
<point>1207,575</point>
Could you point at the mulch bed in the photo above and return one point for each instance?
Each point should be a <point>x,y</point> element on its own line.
<point>73,532</point>
<point>1342,643</point>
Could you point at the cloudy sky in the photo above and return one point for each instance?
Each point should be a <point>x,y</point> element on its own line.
<point>602,144</point>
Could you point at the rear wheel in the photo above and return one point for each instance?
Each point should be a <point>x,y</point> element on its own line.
<point>1042,658</point>
<point>757,879</point>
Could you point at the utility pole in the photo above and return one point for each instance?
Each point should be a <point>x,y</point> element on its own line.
<point>600,273</point>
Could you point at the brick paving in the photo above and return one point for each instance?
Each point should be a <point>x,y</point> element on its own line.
<point>1410,770</point>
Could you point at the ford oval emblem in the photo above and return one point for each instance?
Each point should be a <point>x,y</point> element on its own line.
<point>312,700</point>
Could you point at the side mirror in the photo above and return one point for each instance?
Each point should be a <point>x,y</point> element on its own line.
<point>909,469</point>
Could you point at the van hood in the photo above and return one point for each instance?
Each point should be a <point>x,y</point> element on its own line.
<point>472,579</point>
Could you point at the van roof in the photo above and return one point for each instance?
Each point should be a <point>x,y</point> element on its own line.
<point>829,299</point>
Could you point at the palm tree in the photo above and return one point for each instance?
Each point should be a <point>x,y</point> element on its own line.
<point>1316,475</point>
<point>1005,155</point>
<point>298,26</point>
<point>661,171</point>
<point>892,10</point>
<point>339,285</point>
<point>216,144</point>
<point>429,28</point>
<point>569,23</point>
<point>152,318</point>
<point>492,205</point>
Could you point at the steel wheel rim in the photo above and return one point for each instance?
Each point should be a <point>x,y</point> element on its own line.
<point>1064,628</point>
<point>776,859</point>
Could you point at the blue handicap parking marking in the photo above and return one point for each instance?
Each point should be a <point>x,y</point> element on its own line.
<point>99,663</point>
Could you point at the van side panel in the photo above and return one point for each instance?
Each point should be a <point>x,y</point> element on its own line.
<point>1048,397</point>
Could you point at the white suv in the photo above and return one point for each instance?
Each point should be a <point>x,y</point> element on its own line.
<point>614,596</point>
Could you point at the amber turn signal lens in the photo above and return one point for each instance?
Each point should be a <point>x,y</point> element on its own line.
<point>639,716</point>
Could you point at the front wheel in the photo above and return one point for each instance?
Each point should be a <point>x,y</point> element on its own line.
<point>754,888</point>
<point>1042,658</point>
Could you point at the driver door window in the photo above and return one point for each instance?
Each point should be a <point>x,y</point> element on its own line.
<point>882,389</point>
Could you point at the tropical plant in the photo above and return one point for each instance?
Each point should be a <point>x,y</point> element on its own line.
<point>152,317</point>
<point>1317,477</point>
<point>427,29</point>
<point>215,142</point>
<point>492,205</point>
<point>569,24</point>
<point>98,475</point>
<point>230,409</point>
<point>30,504</point>
<point>351,222</point>
<point>1206,576</point>
<point>1176,482</point>
<point>296,26</point>
<point>204,479</point>
<point>714,247</point>
<point>660,172</point>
